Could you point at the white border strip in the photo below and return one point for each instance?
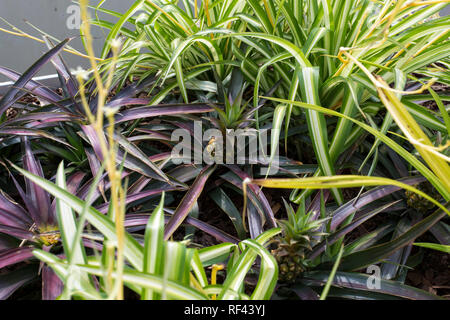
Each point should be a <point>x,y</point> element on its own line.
<point>50,76</point>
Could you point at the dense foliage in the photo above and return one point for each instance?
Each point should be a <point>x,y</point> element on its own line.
<point>92,198</point>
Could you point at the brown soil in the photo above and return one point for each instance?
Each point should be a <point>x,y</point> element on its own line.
<point>433,273</point>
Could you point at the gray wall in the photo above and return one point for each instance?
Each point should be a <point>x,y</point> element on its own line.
<point>56,17</point>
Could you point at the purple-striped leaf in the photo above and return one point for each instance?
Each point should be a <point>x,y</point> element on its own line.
<point>32,86</point>
<point>315,203</point>
<point>160,156</point>
<point>10,97</point>
<point>441,232</point>
<point>31,207</point>
<point>89,243</point>
<point>19,131</point>
<point>125,101</point>
<point>181,173</point>
<point>138,196</point>
<point>259,194</point>
<point>74,181</point>
<point>139,163</point>
<point>69,82</point>
<point>15,255</point>
<point>52,286</point>
<point>150,134</point>
<point>11,281</point>
<point>14,212</point>
<point>318,249</point>
<point>8,219</point>
<point>95,166</point>
<point>138,185</point>
<point>72,185</point>
<point>94,163</point>
<point>237,182</point>
<point>393,263</point>
<point>135,88</point>
<point>19,233</point>
<point>188,201</point>
<point>48,123</point>
<point>140,220</point>
<point>369,239</point>
<point>359,281</point>
<point>361,259</point>
<point>304,292</point>
<point>153,171</point>
<point>38,196</point>
<point>354,205</point>
<point>93,138</point>
<point>40,118</point>
<point>185,173</point>
<point>84,190</point>
<point>161,110</point>
<point>255,226</point>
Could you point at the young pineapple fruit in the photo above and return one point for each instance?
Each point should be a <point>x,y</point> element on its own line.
<point>419,203</point>
<point>294,242</point>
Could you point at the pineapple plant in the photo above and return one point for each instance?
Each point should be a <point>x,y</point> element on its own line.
<point>297,238</point>
<point>419,203</point>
